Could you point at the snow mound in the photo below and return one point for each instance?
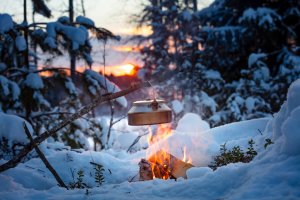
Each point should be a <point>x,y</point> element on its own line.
<point>192,123</point>
<point>11,128</point>
<point>286,124</point>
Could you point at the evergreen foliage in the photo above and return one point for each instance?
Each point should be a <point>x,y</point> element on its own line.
<point>239,53</point>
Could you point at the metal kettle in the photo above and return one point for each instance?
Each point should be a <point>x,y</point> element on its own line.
<point>149,112</point>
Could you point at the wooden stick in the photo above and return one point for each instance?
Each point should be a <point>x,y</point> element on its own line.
<point>84,110</point>
<point>43,158</point>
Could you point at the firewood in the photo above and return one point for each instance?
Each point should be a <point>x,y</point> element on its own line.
<point>145,170</point>
<point>168,166</point>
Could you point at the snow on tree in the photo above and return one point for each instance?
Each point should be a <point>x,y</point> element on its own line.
<point>24,92</point>
<point>249,44</point>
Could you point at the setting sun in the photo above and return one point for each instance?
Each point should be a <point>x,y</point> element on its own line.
<point>119,70</point>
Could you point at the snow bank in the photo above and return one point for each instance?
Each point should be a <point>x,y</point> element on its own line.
<point>272,174</point>
<point>11,127</point>
<point>202,143</point>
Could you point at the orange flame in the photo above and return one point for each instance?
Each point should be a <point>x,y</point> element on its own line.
<point>163,131</point>
<point>162,162</point>
<point>186,158</point>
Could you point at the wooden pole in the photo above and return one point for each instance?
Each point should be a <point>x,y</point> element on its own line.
<point>84,110</point>
<point>43,158</point>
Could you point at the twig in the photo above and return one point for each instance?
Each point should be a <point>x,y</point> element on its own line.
<point>119,119</point>
<point>259,131</point>
<point>43,158</point>
<point>84,110</point>
<point>136,141</point>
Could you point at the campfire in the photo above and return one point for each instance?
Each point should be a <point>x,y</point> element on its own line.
<point>161,164</point>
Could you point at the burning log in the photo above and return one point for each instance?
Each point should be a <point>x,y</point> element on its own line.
<point>164,166</point>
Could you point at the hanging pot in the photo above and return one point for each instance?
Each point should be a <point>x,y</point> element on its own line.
<point>149,112</point>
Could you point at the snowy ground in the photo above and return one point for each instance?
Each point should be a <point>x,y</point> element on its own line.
<point>273,174</point>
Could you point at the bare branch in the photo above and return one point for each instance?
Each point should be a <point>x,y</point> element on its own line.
<point>84,110</point>
<point>43,158</point>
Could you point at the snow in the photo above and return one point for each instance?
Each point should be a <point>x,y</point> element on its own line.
<point>2,66</point>
<point>177,106</point>
<point>263,17</point>
<point>98,80</point>
<point>272,174</point>
<point>6,23</point>
<point>84,20</point>
<point>187,15</point>
<point>9,89</point>
<point>212,74</point>
<point>254,58</point>
<point>70,86</point>
<point>50,42</point>
<point>20,43</point>
<point>11,127</point>
<point>77,35</point>
<point>34,81</point>
<point>192,122</point>
<point>250,104</point>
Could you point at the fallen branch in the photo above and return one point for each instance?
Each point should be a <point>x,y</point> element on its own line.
<point>44,159</point>
<point>84,110</point>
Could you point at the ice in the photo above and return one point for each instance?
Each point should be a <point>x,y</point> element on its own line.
<point>34,81</point>
<point>6,23</point>
<point>20,43</point>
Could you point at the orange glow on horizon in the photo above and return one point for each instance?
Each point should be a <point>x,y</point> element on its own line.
<point>126,48</point>
<point>144,30</point>
<point>117,70</point>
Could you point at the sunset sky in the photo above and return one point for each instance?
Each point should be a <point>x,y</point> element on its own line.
<point>114,15</point>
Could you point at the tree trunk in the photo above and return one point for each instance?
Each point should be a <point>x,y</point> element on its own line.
<point>72,53</point>
<point>26,54</point>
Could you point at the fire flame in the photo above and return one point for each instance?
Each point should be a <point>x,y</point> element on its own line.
<point>163,162</point>
<point>186,158</point>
